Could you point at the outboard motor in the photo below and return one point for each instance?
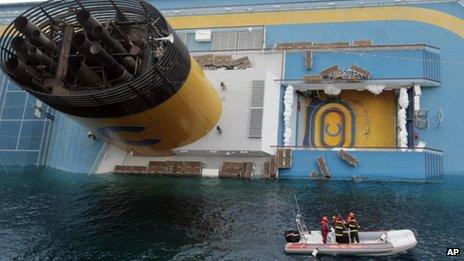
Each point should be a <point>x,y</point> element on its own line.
<point>292,236</point>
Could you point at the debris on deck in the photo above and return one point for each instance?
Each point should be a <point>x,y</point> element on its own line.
<point>245,170</point>
<point>348,158</point>
<point>211,61</point>
<point>156,167</point>
<point>309,60</point>
<point>314,174</point>
<point>284,158</point>
<point>323,167</point>
<point>270,169</point>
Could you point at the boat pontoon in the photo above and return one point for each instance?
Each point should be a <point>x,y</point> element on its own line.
<point>376,243</point>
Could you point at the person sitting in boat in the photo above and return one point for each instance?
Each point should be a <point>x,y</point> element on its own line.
<point>325,228</point>
<point>353,226</point>
<point>339,226</point>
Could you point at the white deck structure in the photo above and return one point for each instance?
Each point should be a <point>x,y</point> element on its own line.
<point>248,124</point>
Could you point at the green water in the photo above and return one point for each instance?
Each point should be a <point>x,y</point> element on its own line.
<point>62,216</point>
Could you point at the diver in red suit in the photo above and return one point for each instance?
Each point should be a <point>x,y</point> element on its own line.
<point>324,228</point>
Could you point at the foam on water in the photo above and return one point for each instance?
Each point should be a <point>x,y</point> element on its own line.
<point>56,215</point>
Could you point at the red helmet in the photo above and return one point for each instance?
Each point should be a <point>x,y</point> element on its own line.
<point>325,219</point>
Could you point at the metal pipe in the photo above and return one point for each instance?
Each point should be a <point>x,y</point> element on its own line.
<point>145,54</point>
<point>102,55</point>
<point>95,29</point>
<point>21,46</point>
<point>147,58</point>
<point>82,44</point>
<point>35,53</point>
<point>113,67</point>
<point>117,32</point>
<point>125,76</point>
<point>23,72</point>
<point>102,34</point>
<point>136,51</point>
<point>30,30</point>
<point>83,73</point>
<point>87,21</point>
<point>30,53</point>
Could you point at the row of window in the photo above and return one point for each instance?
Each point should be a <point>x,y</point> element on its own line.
<point>225,40</point>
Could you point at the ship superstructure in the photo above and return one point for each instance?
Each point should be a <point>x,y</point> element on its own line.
<point>369,90</point>
<point>118,68</point>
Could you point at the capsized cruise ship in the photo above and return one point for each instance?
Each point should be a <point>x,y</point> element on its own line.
<point>265,88</point>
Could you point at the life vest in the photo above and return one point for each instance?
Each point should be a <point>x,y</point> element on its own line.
<point>339,227</point>
<point>353,225</point>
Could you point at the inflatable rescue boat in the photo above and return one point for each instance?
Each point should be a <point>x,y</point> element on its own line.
<point>378,243</point>
<point>375,243</point>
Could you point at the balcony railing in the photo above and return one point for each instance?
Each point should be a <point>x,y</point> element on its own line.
<point>401,163</point>
<point>390,149</point>
<point>289,6</point>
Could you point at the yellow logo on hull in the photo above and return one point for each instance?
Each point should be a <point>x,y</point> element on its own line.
<point>333,126</point>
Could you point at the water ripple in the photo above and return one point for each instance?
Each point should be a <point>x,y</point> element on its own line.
<point>57,215</point>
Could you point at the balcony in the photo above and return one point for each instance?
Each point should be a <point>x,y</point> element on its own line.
<point>374,163</point>
<point>393,66</point>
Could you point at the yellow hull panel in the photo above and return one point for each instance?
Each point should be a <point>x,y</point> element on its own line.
<point>330,15</point>
<point>184,118</point>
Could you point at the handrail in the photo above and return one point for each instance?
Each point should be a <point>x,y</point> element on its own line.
<point>353,48</point>
<point>366,80</point>
<point>300,147</point>
<point>286,6</point>
<point>276,6</point>
<point>315,2</point>
<point>460,2</point>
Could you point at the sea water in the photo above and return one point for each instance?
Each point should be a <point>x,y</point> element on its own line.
<point>49,214</point>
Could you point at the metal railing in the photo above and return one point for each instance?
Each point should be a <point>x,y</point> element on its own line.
<point>290,6</point>
<point>433,158</point>
<point>383,149</point>
<point>351,48</point>
<point>8,15</point>
<point>433,166</point>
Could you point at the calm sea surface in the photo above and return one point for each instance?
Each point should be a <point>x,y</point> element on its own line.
<point>61,216</point>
